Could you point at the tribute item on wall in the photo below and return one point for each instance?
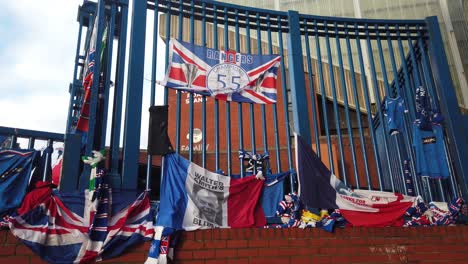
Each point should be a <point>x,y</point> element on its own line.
<point>225,75</point>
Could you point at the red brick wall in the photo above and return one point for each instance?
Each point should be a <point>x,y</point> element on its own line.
<point>257,246</point>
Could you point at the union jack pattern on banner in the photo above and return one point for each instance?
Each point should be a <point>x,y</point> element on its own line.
<point>225,75</point>
<point>71,228</point>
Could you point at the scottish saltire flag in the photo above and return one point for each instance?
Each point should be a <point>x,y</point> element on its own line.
<point>195,198</point>
<point>72,228</point>
<point>319,188</point>
<point>15,174</point>
<point>225,75</point>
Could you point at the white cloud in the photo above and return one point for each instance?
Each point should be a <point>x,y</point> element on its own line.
<point>37,62</point>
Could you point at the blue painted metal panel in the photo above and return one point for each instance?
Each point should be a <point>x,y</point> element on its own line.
<point>415,71</point>
<point>335,105</point>
<point>323,95</point>
<point>149,158</point>
<point>275,110</point>
<point>71,163</point>
<point>134,97</point>
<point>107,77</point>
<point>216,107</point>
<point>228,104</point>
<point>313,94</point>
<point>455,125</point>
<point>118,99</point>
<point>358,112</point>
<point>389,94</point>
<point>95,88</point>
<point>192,40</point>
<point>346,106</point>
<point>296,78</point>
<point>285,99</point>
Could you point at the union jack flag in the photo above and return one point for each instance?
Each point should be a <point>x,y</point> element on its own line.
<point>225,75</point>
<point>83,119</point>
<point>71,228</point>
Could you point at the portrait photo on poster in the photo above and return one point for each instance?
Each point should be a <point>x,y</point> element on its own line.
<point>208,206</point>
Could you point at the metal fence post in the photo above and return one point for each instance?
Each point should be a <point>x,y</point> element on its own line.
<point>454,122</point>
<point>132,126</point>
<point>296,78</point>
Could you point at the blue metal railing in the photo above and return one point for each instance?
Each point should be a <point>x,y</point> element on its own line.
<point>322,81</point>
<point>32,136</point>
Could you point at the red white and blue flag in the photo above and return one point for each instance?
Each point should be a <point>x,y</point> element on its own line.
<point>225,75</point>
<point>320,188</point>
<point>72,228</point>
<point>195,198</point>
<point>83,119</point>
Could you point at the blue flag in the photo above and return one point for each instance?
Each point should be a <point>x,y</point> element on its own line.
<point>15,174</point>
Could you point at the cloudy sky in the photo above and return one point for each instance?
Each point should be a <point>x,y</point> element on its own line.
<point>36,66</point>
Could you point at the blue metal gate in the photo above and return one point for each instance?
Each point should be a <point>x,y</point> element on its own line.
<point>334,77</point>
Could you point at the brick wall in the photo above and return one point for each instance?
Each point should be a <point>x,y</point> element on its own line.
<point>252,246</point>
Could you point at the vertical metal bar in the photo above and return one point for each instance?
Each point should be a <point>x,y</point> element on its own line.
<point>346,104</point>
<point>134,96</point>
<point>118,98</point>
<point>94,89</point>
<point>365,89</point>
<point>417,82</point>
<point>73,84</point>
<point>275,110</point>
<point>96,76</point>
<point>31,142</point>
<point>251,106</point>
<point>448,103</point>
<point>408,144</point>
<point>358,107</point>
<point>419,79</point>
<point>168,36</point>
<point>240,125</point>
<point>203,37</point>
<point>335,104</point>
<point>228,104</point>
<point>324,96</point>
<point>427,72</point>
<point>441,190</point>
<point>297,82</point>
<point>216,113</point>
<point>413,58</point>
<point>296,78</point>
<point>166,59</point>
<point>13,142</point>
<point>47,157</point>
<point>262,107</point>
<point>388,94</point>
<point>404,67</point>
<point>192,41</point>
<point>376,92</point>
<point>107,75</point>
<point>180,25</point>
<point>313,94</point>
<point>285,96</point>
<point>149,161</point>
<point>453,183</point>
